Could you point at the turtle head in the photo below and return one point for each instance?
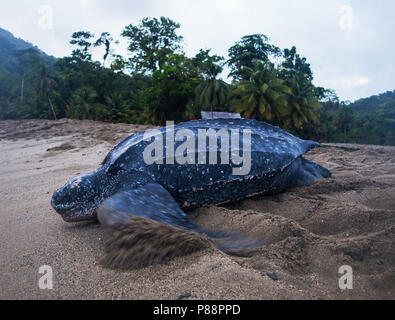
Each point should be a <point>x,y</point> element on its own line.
<point>78,199</point>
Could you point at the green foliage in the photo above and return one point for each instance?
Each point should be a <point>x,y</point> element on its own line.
<point>82,105</point>
<point>371,104</point>
<point>339,123</point>
<point>303,103</point>
<point>106,40</point>
<point>157,82</point>
<point>151,42</point>
<point>263,96</point>
<point>171,89</point>
<point>80,39</point>
<point>213,94</point>
<point>245,52</point>
<point>293,65</point>
<point>209,67</point>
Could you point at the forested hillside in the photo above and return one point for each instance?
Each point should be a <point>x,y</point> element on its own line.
<point>11,49</point>
<point>373,103</point>
<point>352,123</point>
<point>156,82</point>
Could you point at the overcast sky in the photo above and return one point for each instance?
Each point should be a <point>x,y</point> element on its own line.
<point>349,43</point>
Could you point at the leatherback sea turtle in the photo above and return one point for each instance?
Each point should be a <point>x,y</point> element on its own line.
<point>126,186</point>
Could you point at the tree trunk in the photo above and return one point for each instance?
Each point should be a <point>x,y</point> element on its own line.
<point>22,85</point>
<point>53,111</point>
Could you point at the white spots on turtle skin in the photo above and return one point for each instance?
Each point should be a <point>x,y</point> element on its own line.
<point>272,149</point>
<point>97,199</point>
<point>76,182</point>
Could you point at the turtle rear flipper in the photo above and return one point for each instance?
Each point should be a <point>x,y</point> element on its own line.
<point>307,171</point>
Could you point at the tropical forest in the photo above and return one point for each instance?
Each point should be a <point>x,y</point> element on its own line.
<point>156,81</point>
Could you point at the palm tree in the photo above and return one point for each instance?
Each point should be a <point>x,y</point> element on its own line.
<point>83,106</point>
<point>212,93</point>
<point>263,96</point>
<point>303,103</point>
<point>119,108</point>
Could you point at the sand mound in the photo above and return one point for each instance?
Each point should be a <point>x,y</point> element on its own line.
<point>86,133</point>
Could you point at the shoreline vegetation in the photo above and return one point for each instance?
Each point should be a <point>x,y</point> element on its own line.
<point>156,82</point>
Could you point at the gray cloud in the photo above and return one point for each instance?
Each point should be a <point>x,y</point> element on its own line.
<point>356,62</point>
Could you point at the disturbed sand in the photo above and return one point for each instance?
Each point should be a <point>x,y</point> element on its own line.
<point>310,232</point>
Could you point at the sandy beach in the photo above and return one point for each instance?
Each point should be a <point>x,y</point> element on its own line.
<point>310,232</point>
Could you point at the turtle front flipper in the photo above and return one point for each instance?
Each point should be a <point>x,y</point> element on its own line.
<point>148,227</point>
<point>150,201</point>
